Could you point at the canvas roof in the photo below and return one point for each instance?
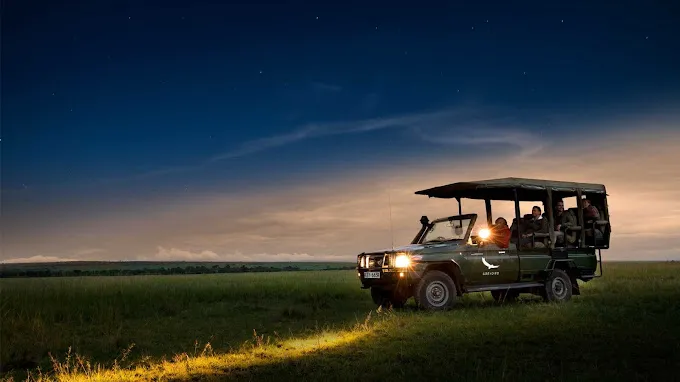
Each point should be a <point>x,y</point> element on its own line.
<point>502,189</point>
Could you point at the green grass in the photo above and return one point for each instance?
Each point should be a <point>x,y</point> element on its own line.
<point>313,325</point>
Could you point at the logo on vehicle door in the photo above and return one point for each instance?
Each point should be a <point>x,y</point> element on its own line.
<point>490,266</point>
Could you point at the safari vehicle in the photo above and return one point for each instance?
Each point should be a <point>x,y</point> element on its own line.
<point>446,260</point>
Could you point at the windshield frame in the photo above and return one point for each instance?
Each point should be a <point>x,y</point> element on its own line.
<point>466,237</point>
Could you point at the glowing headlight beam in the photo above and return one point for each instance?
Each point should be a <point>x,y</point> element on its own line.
<point>402,261</point>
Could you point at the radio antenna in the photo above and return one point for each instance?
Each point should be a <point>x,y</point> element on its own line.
<point>389,202</point>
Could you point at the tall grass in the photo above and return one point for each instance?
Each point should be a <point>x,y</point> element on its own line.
<point>320,325</point>
<point>100,316</point>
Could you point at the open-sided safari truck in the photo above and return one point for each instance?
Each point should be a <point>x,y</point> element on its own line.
<point>446,258</point>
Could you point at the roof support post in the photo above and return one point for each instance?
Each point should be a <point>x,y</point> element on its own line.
<point>460,208</point>
<point>489,218</point>
<point>551,219</point>
<point>581,222</point>
<point>519,233</point>
<point>606,235</point>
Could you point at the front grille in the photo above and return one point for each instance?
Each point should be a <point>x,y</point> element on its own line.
<point>376,260</point>
<point>390,259</point>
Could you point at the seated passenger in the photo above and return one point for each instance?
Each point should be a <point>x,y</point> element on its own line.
<point>563,220</point>
<point>590,212</point>
<point>500,233</point>
<point>535,225</point>
<point>590,215</point>
<point>513,231</point>
<point>515,227</point>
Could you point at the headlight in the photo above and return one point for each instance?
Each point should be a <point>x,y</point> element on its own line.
<point>402,261</point>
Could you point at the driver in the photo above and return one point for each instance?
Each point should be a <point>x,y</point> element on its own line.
<point>500,233</point>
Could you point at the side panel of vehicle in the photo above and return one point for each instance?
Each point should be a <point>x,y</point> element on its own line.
<point>532,263</point>
<point>585,261</point>
<point>486,266</point>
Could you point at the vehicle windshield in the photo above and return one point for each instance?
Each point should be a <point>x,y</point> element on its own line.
<point>447,230</point>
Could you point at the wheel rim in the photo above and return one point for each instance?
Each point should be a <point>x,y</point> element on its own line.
<point>559,288</point>
<point>437,293</point>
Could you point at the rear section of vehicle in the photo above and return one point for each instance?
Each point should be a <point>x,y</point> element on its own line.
<point>587,263</point>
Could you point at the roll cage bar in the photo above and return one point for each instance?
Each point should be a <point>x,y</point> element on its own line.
<point>523,189</point>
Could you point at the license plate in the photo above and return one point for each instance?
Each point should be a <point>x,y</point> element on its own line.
<point>372,275</point>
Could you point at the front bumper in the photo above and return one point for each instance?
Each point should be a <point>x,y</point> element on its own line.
<point>389,278</point>
<point>384,266</point>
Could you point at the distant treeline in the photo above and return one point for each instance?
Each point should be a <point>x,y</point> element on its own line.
<point>188,270</point>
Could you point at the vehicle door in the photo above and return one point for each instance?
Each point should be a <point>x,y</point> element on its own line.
<point>532,261</point>
<point>490,264</point>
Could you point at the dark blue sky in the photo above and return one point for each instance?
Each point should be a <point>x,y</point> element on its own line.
<point>193,130</point>
<point>111,89</point>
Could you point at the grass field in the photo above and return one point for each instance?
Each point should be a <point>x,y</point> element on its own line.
<point>320,325</point>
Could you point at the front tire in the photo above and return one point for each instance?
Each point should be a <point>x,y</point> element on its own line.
<point>558,287</point>
<point>436,291</point>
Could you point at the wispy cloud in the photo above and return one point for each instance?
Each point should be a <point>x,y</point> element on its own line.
<point>337,216</point>
<point>36,259</point>
<point>177,254</point>
<point>461,126</point>
<point>474,135</point>
<point>448,126</point>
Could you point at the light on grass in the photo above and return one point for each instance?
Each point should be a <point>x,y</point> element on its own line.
<point>324,340</point>
<point>185,366</point>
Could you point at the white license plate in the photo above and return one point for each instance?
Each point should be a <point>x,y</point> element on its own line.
<point>372,275</point>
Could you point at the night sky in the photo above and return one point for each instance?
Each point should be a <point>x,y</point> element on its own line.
<point>186,130</point>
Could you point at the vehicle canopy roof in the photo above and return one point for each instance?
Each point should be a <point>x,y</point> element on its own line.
<point>503,189</point>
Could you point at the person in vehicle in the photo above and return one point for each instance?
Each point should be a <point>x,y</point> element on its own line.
<point>513,230</point>
<point>590,212</point>
<point>500,233</point>
<point>590,215</point>
<point>534,225</point>
<point>563,220</point>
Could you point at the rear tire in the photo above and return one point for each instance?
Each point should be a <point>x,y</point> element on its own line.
<point>558,287</point>
<point>436,291</point>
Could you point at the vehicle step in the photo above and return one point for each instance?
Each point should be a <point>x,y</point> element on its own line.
<point>485,288</point>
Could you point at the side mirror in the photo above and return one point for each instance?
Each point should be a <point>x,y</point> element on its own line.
<point>424,220</point>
